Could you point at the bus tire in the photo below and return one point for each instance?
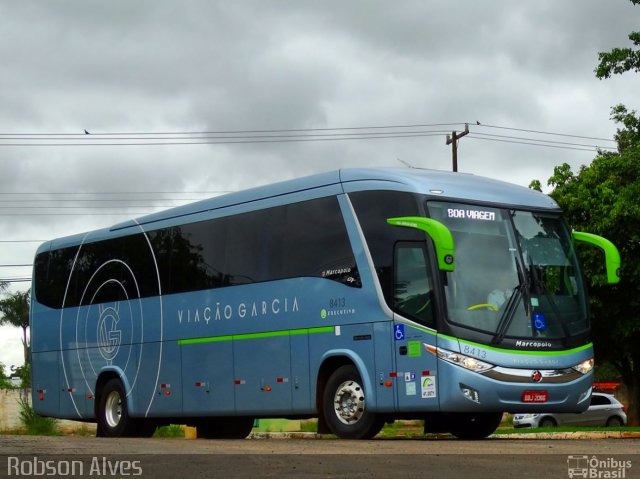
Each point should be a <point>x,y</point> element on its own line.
<point>225,427</point>
<point>344,406</point>
<point>474,425</point>
<point>113,415</point>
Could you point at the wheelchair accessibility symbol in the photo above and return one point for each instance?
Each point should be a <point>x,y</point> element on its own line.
<point>399,332</point>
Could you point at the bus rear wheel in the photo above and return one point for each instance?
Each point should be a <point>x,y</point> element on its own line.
<point>474,425</point>
<point>113,415</point>
<point>225,427</point>
<point>344,406</point>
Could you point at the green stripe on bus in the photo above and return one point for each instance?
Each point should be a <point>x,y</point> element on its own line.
<point>266,334</point>
<point>502,350</point>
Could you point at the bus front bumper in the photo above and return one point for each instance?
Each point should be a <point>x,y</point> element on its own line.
<point>514,391</point>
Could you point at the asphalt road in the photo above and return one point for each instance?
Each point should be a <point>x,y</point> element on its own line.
<point>26,456</point>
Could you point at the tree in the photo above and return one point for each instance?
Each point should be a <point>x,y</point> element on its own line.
<point>14,310</point>
<point>620,60</point>
<point>603,199</point>
<point>4,380</point>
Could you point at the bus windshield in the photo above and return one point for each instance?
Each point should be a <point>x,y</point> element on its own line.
<point>516,273</point>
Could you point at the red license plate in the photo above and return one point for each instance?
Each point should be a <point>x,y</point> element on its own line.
<point>535,396</point>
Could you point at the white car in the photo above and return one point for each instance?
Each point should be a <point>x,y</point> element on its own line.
<point>604,410</point>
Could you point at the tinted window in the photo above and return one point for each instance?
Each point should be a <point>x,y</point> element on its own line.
<point>51,275</point>
<point>413,288</point>
<point>373,208</point>
<point>301,239</point>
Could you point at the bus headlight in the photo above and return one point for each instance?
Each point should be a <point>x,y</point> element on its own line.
<point>467,362</point>
<point>585,366</point>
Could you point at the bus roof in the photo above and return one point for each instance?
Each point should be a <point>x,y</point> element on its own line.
<point>439,184</point>
<point>444,184</point>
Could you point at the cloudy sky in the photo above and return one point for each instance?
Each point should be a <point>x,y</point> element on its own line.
<point>150,81</point>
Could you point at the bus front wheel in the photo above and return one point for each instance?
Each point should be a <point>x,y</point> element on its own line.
<point>344,406</point>
<point>113,415</point>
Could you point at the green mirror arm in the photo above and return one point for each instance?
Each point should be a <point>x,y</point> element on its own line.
<point>439,233</point>
<point>611,254</point>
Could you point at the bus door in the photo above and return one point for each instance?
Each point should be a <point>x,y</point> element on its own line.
<point>414,319</point>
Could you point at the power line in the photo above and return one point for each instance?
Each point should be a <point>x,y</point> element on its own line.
<point>546,132</point>
<point>246,136</point>
<point>119,207</point>
<point>77,214</point>
<point>117,192</point>
<point>16,265</point>
<point>164,142</point>
<point>22,241</point>
<point>531,143</point>
<point>230,132</point>
<point>15,280</point>
<point>543,142</point>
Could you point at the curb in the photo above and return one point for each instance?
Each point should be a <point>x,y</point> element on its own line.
<point>570,435</point>
<point>528,436</point>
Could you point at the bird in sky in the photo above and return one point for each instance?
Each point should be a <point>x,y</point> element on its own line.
<point>86,132</point>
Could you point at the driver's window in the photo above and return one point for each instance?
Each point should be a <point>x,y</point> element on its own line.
<point>413,288</point>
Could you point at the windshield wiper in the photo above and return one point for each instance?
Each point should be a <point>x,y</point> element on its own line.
<point>508,314</point>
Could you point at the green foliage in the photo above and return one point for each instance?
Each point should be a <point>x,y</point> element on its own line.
<point>24,373</point>
<point>628,136</point>
<point>603,198</point>
<point>170,431</point>
<point>14,310</point>
<point>535,185</point>
<point>620,60</point>
<point>35,424</point>
<point>4,380</point>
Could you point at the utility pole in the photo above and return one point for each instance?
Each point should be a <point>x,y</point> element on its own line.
<point>453,141</point>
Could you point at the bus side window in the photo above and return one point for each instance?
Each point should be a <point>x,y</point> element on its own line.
<point>413,287</point>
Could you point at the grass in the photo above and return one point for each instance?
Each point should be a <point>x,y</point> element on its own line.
<point>171,431</point>
<point>403,428</point>
<point>35,424</point>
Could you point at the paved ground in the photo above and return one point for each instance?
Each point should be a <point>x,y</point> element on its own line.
<point>297,457</point>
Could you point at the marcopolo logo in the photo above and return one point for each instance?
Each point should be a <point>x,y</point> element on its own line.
<point>597,468</point>
<point>533,344</point>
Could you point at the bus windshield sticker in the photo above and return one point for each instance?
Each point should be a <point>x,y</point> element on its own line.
<point>460,213</point>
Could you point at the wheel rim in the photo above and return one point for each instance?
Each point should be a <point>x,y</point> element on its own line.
<point>349,402</point>
<point>113,409</point>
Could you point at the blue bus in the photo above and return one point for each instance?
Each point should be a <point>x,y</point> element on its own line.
<point>358,297</point>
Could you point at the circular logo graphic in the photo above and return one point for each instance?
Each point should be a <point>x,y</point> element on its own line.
<point>108,335</point>
<point>102,323</point>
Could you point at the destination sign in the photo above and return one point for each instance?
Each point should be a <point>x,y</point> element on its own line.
<point>469,214</point>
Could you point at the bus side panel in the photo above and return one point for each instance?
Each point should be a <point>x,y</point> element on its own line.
<point>159,389</point>
<point>262,370</point>
<point>300,375</point>
<point>45,383</point>
<point>353,343</point>
<point>208,382</point>
<point>384,366</point>
<point>75,393</point>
